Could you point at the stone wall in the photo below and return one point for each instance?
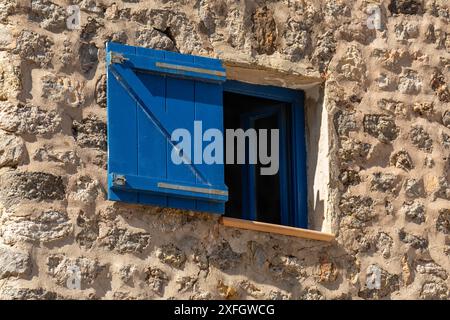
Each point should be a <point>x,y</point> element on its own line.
<point>387,101</point>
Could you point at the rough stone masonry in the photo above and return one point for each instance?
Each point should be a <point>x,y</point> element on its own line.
<point>387,96</point>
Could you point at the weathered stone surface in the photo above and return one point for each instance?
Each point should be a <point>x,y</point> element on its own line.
<point>7,8</point>
<point>223,256</point>
<point>380,126</point>
<point>19,293</point>
<point>265,31</point>
<point>409,82</point>
<point>46,227</point>
<point>443,221</point>
<point>154,39</point>
<point>379,283</point>
<point>405,6</point>
<point>10,77</point>
<point>298,41</point>
<point>90,132</point>
<point>227,291</point>
<point>89,230</point>
<point>440,87</point>
<point>47,153</point>
<point>174,23</point>
<point>351,66</point>
<point>421,139</point>
<point>352,150</point>
<point>37,186</point>
<point>62,90</point>
<point>28,119</point>
<point>357,207</point>
<point>344,122</point>
<point>86,190</point>
<point>324,51</point>
<point>88,53</point>
<point>90,29</point>
<point>384,182</point>
<point>49,15</point>
<point>284,266</point>
<point>62,268</point>
<point>393,106</point>
<point>126,273</point>
<point>312,294</point>
<point>431,268</point>
<point>414,241</point>
<point>12,150</point>
<point>414,211</point>
<point>424,109</point>
<point>414,188</point>
<point>327,271</point>
<point>446,119</point>
<point>444,189</point>
<point>384,244</point>
<point>349,178</point>
<point>35,48</point>
<point>402,160</point>
<point>434,291</point>
<point>172,255</point>
<point>119,37</point>
<point>445,140</point>
<point>123,240</point>
<point>100,91</point>
<point>156,279</point>
<point>13,262</point>
<point>404,31</point>
<point>186,283</point>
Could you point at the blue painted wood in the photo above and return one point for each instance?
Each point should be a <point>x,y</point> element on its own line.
<point>261,91</point>
<point>175,65</point>
<point>284,169</point>
<point>149,185</point>
<point>151,144</point>
<point>209,110</point>
<point>249,171</point>
<point>300,189</point>
<point>153,104</point>
<point>180,108</point>
<point>122,133</point>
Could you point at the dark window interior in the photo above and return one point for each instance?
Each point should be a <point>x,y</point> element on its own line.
<point>264,194</point>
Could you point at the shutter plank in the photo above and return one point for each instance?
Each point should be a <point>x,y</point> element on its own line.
<point>122,132</point>
<point>151,143</point>
<point>180,109</point>
<point>208,109</point>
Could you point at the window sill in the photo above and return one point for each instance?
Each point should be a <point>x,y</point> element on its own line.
<point>275,228</point>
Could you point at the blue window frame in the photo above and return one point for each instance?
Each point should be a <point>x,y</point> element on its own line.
<point>152,92</point>
<point>292,171</point>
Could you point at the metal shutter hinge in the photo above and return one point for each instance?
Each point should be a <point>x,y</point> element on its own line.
<point>117,57</point>
<point>119,180</point>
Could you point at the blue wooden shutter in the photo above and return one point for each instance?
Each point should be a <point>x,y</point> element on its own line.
<point>150,93</point>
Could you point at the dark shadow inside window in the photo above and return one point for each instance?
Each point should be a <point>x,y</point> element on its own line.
<point>252,195</point>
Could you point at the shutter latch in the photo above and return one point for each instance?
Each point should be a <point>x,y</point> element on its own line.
<point>117,57</point>
<point>119,180</point>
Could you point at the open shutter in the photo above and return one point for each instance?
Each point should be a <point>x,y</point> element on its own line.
<point>150,93</point>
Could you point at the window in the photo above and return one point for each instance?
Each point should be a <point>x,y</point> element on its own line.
<point>152,94</point>
<point>279,198</point>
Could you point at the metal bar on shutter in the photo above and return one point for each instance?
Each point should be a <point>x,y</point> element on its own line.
<point>181,69</point>
<point>147,184</point>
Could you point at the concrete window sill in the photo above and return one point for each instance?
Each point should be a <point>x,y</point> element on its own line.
<point>275,228</point>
